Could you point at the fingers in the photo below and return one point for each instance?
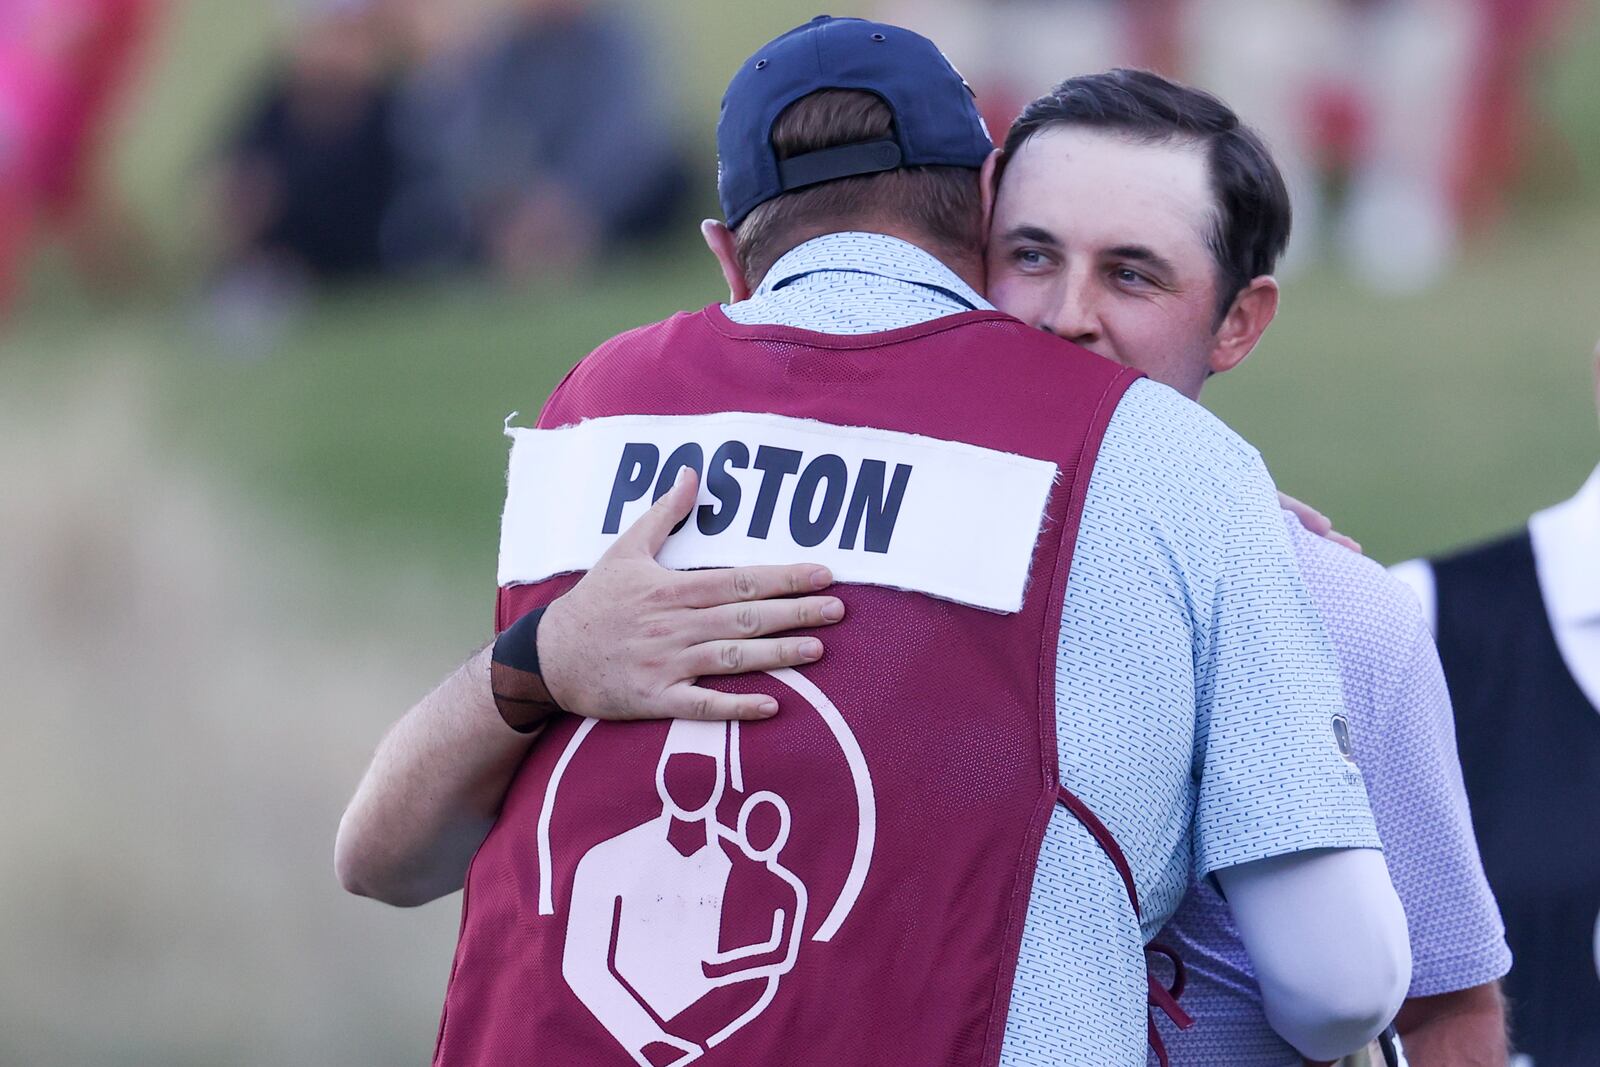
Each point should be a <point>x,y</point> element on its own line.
<point>649,531</point>
<point>693,702</point>
<point>709,589</point>
<point>762,617</point>
<point>1309,517</point>
<point>739,657</point>
<point>1346,541</point>
<point>1317,522</point>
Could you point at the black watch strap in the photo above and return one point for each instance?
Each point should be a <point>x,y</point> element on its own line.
<point>515,679</point>
<point>1389,1042</point>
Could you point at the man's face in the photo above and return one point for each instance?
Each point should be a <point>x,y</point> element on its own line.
<point>1102,241</point>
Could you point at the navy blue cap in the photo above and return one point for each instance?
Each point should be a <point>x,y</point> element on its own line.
<point>936,121</point>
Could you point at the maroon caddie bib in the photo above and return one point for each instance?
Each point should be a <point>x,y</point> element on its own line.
<point>845,883</point>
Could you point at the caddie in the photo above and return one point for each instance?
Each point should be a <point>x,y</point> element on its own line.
<point>891,868</point>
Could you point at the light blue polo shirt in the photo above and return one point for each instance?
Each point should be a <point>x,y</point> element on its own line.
<point>1195,686</point>
<point>1403,737</point>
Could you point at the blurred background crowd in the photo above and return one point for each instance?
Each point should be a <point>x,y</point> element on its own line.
<point>381,139</point>
<point>271,275</point>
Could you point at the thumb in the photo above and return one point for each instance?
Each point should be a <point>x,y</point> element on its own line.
<point>650,530</point>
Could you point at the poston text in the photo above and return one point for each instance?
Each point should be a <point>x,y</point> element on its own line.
<point>868,499</point>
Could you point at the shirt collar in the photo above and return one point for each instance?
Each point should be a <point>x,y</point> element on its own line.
<point>1566,543</point>
<point>868,253</point>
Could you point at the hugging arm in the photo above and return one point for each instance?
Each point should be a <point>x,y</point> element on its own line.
<point>1465,1028</point>
<point>629,641</point>
<point>1409,759</point>
<point>431,793</point>
<point>1327,939</point>
<point>1283,818</point>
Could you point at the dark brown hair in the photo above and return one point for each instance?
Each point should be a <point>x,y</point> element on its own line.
<point>941,204</point>
<point>1251,228</point>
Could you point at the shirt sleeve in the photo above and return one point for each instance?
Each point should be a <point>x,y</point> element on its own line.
<point>1409,754</point>
<point>1417,574</point>
<point>1273,778</point>
<point>1195,686</point>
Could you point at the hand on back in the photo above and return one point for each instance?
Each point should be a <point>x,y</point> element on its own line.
<point>632,638</point>
<point>1316,522</point>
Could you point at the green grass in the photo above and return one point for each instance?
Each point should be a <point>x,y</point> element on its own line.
<point>1417,423</point>
<point>380,421</point>
<point>1427,422</point>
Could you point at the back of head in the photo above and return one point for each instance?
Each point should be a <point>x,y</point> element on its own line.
<point>843,124</point>
<point>1251,203</point>
<point>940,205</point>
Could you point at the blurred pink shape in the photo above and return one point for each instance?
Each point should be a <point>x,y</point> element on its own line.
<point>64,67</point>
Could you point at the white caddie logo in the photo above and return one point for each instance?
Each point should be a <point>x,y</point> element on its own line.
<point>646,931</point>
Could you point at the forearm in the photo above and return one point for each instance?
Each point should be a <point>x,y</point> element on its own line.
<point>630,640</point>
<point>1327,938</point>
<point>1466,1028</point>
<point>431,793</point>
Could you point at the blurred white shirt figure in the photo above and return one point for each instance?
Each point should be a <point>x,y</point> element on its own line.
<point>1011,51</point>
<point>1398,72</point>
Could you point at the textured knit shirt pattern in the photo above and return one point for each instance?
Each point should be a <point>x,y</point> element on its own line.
<point>1195,686</point>
<point>1403,736</point>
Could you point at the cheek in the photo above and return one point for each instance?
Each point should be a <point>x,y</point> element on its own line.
<point>1018,295</point>
<point>1142,326</point>
<point>1163,341</point>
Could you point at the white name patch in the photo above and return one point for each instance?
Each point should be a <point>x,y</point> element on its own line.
<point>877,507</point>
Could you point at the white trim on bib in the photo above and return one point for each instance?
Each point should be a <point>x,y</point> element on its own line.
<point>877,507</point>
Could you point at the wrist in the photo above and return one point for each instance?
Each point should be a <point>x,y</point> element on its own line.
<point>555,655</point>
<point>516,676</point>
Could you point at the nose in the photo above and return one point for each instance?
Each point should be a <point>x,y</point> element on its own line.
<point>1075,316</point>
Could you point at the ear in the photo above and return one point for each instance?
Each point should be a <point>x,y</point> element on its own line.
<point>1252,312</point>
<point>720,240</point>
<point>989,186</point>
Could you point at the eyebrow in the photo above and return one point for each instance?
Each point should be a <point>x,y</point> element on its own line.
<point>1143,254</point>
<point>1033,235</point>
